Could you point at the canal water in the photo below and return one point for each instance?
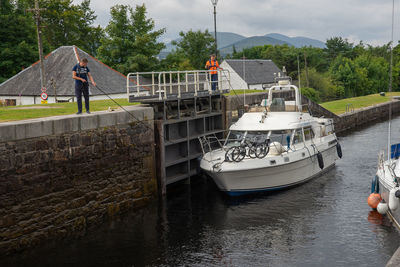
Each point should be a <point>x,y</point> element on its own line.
<point>325,222</point>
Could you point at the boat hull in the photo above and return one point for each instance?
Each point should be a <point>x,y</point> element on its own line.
<point>273,177</point>
<point>384,188</point>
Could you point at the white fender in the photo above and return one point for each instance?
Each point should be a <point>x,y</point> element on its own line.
<point>393,200</point>
<point>382,208</point>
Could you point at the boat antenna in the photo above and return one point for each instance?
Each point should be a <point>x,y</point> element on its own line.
<point>390,82</point>
<point>298,71</point>
<point>298,74</point>
<point>244,77</point>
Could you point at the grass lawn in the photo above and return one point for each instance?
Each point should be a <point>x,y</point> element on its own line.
<point>339,106</point>
<point>240,92</point>
<point>47,110</point>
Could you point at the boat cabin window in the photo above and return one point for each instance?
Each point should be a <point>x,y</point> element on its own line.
<point>282,136</point>
<point>308,133</point>
<point>298,136</point>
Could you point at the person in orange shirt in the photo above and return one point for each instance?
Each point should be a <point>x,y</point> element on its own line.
<point>212,65</point>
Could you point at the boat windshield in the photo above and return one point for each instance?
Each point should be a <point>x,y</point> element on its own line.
<point>234,138</point>
<point>257,137</point>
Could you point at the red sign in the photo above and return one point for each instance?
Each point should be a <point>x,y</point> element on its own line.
<point>43,96</point>
<point>44,89</point>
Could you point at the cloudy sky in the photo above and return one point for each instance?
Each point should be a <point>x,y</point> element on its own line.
<point>367,20</point>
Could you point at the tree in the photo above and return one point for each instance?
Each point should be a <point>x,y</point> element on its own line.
<point>196,46</point>
<point>338,46</point>
<point>18,44</point>
<point>130,44</point>
<point>174,61</point>
<point>352,77</point>
<point>69,24</point>
<point>311,93</point>
<point>377,69</point>
<point>321,82</point>
<point>89,34</point>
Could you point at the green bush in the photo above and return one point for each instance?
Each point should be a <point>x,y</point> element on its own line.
<point>311,94</point>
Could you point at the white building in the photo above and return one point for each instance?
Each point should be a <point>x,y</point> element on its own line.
<point>251,73</point>
<point>25,88</point>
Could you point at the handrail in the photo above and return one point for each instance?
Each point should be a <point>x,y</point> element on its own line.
<point>166,83</point>
<point>349,108</point>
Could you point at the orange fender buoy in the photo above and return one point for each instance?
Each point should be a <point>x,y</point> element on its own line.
<point>373,200</point>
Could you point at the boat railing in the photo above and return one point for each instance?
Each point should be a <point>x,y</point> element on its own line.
<point>210,143</point>
<point>244,148</point>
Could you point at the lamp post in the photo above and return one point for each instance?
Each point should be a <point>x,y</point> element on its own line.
<point>215,2</point>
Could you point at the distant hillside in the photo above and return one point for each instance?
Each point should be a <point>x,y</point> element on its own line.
<point>297,41</point>
<point>227,38</point>
<point>223,39</point>
<point>226,41</point>
<point>250,42</point>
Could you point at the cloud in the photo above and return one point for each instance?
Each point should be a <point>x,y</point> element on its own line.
<point>367,20</point>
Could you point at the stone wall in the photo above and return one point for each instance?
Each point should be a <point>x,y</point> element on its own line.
<point>60,176</point>
<point>351,120</point>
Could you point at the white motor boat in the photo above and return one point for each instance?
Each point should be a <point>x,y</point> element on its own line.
<point>387,183</point>
<point>272,149</point>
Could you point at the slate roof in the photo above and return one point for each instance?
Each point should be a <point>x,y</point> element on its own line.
<point>58,65</point>
<point>258,71</point>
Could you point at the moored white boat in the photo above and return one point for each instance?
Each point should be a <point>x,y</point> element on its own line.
<point>279,147</point>
<point>385,187</point>
<point>388,178</point>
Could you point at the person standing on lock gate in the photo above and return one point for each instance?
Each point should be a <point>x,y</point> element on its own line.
<point>80,73</point>
<point>212,65</point>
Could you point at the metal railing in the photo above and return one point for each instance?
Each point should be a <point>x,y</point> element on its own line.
<point>167,83</point>
<point>349,108</point>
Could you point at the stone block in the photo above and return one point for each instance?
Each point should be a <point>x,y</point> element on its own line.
<point>66,125</point>
<point>7,133</point>
<point>19,131</point>
<point>89,122</point>
<point>38,128</point>
<point>123,117</point>
<point>107,119</point>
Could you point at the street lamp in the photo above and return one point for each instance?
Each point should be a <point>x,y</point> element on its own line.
<point>215,2</point>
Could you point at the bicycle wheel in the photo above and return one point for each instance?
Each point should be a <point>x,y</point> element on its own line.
<point>252,152</point>
<point>238,154</point>
<point>262,150</point>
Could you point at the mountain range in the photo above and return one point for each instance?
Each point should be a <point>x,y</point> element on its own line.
<point>228,40</point>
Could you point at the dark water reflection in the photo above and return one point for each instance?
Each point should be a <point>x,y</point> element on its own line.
<point>325,222</point>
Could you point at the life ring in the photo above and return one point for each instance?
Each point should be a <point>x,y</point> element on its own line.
<point>320,160</point>
<point>339,150</point>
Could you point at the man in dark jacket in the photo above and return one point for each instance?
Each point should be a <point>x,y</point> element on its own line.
<point>80,72</point>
